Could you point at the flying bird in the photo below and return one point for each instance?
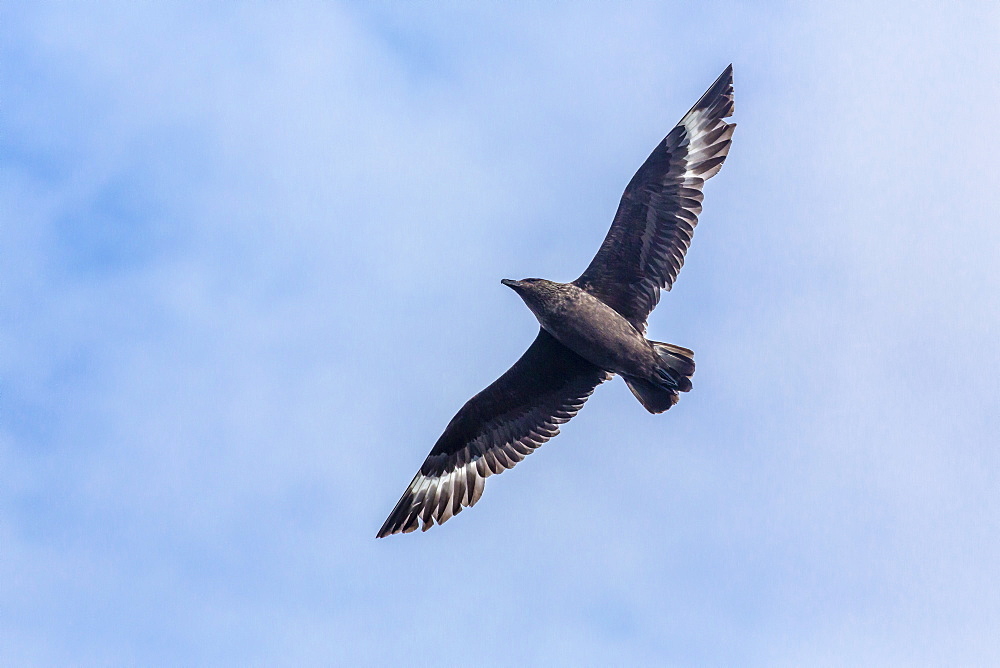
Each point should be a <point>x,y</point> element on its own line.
<point>590,329</point>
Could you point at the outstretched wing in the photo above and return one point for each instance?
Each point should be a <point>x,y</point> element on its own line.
<point>645,248</point>
<point>495,430</point>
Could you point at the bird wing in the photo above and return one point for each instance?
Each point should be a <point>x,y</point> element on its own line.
<point>495,430</point>
<point>651,232</point>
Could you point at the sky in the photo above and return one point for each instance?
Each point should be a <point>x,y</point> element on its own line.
<point>249,268</point>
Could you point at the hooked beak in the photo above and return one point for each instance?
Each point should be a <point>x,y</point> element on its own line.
<point>511,283</point>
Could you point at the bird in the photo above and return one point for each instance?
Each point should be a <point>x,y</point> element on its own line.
<point>590,329</point>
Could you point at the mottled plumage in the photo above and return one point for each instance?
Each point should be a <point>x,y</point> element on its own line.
<point>591,328</point>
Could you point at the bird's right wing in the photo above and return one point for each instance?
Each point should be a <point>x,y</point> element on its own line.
<point>495,430</point>
<point>645,247</point>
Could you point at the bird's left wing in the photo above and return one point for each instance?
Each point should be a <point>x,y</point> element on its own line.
<point>645,247</point>
<point>495,430</point>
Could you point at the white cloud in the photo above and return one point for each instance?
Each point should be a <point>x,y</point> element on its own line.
<point>252,269</point>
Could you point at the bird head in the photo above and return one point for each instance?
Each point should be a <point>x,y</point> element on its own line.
<point>526,285</point>
<point>534,291</point>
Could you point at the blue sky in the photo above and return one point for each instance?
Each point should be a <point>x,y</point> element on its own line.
<point>250,269</point>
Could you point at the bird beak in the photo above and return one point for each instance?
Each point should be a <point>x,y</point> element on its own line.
<point>511,283</point>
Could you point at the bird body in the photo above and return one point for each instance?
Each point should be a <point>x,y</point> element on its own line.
<point>590,329</point>
<point>587,326</point>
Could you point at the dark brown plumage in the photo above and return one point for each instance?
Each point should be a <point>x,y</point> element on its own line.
<point>591,328</point>
<point>645,247</point>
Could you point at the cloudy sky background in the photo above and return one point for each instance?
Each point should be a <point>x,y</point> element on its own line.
<point>249,269</point>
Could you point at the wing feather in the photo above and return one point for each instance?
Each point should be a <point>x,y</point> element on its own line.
<point>495,430</point>
<point>652,230</point>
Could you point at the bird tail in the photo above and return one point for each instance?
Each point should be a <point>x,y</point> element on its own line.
<point>659,393</point>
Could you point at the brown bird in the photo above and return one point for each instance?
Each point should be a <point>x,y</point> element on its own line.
<point>591,328</point>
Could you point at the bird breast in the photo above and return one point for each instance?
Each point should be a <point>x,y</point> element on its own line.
<point>595,331</point>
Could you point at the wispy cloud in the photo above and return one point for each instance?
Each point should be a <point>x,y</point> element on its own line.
<point>250,269</point>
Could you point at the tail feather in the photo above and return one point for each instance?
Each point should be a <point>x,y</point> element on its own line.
<point>677,365</point>
<point>654,398</point>
<point>659,393</point>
